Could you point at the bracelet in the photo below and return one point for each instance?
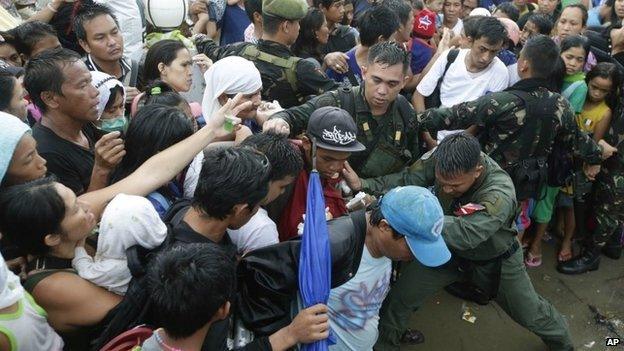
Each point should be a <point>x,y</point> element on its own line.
<point>49,6</point>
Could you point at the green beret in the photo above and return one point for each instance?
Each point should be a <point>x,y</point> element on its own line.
<point>288,9</point>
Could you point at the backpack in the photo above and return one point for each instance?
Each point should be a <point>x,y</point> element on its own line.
<point>433,100</point>
<point>135,308</point>
<point>289,65</point>
<point>530,172</point>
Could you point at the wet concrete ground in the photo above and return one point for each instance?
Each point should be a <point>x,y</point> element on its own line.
<point>440,319</point>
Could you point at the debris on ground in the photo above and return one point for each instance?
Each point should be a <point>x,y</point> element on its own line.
<point>467,314</point>
<point>590,344</point>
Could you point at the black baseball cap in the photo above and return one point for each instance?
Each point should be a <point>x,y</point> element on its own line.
<point>334,129</point>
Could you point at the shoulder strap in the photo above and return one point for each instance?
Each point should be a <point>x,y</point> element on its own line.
<point>570,89</point>
<point>289,65</point>
<point>450,58</point>
<point>346,100</point>
<point>134,73</point>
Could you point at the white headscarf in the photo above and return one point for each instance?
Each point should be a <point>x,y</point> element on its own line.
<point>230,75</point>
<point>104,83</point>
<point>10,287</point>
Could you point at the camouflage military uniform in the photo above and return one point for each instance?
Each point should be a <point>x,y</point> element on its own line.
<point>501,115</point>
<point>391,140</point>
<point>609,187</point>
<point>485,239</point>
<point>275,83</point>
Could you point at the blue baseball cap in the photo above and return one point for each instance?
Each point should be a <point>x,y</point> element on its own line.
<point>415,213</point>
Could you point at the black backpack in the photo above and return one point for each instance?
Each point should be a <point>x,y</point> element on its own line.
<point>433,100</point>
<point>135,308</point>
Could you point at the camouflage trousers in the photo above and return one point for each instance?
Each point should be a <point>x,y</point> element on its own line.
<point>608,205</point>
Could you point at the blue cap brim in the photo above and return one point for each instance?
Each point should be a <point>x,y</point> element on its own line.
<point>429,253</point>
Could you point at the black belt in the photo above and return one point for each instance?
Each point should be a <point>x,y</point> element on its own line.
<point>505,255</point>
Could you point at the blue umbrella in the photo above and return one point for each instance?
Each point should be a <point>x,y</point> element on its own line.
<point>315,255</point>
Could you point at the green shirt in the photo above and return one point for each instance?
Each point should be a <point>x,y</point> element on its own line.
<point>482,235</point>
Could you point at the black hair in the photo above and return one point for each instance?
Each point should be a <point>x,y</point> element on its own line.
<point>584,14</point>
<point>25,36</point>
<point>418,5</point>
<point>542,22</point>
<point>325,3</point>
<point>510,10</point>
<point>251,7</point>
<point>607,70</point>
<point>307,41</point>
<point>345,19</point>
<point>376,216</point>
<point>388,53</point>
<point>159,92</point>
<point>44,72</point>
<point>401,8</point>
<point>7,84</point>
<point>154,128</point>
<point>164,51</point>
<point>541,51</point>
<point>114,92</point>
<point>271,24</point>
<point>614,19</point>
<point>229,177</point>
<point>491,29</point>
<point>88,13</point>
<point>575,41</point>
<point>29,212</point>
<point>471,23</point>
<point>457,154</point>
<point>284,158</point>
<point>188,284</point>
<point>375,22</point>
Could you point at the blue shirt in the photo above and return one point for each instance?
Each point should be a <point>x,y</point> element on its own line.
<point>508,57</point>
<point>233,25</point>
<point>421,55</point>
<point>353,67</point>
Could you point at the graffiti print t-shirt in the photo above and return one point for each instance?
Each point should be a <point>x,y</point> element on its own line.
<point>354,306</point>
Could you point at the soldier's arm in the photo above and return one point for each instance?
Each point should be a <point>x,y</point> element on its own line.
<point>572,137</point>
<point>311,80</point>
<point>468,232</point>
<point>460,116</point>
<point>297,117</point>
<point>421,173</point>
<point>207,46</point>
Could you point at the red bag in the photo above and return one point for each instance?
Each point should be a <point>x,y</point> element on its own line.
<point>130,339</point>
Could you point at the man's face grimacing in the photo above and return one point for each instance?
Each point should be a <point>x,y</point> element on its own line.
<point>482,52</point>
<point>457,185</point>
<point>80,98</point>
<point>382,84</point>
<point>390,244</point>
<point>104,40</point>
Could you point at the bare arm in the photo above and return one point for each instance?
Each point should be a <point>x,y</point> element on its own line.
<point>72,302</point>
<point>418,101</point>
<point>165,165</point>
<point>46,13</point>
<point>602,126</point>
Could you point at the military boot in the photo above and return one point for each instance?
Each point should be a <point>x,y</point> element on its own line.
<point>589,260</point>
<point>613,247</point>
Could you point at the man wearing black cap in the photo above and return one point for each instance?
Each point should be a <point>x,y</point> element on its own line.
<point>334,132</point>
<point>386,122</point>
<point>285,78</point>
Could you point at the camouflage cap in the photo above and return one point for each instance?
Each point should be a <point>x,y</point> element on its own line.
<point>287,9</point>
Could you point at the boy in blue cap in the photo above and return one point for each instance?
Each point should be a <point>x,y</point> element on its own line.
<point>405,224</point>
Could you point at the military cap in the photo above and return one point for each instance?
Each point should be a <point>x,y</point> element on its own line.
<point>287,9</point>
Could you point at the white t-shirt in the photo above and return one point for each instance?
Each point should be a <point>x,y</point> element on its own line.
<point>354,306</point>
<point>259,232</point>
<point>458,84</point>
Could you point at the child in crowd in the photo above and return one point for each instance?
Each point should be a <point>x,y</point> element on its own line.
<point>536,24</point>
<point>127,221</point>
<point>574,51</point>
<point>111,107</point>
<point>23,324</point>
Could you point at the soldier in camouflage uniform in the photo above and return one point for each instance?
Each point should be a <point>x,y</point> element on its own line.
<point>386,121</point>
<point>608,205</point>
<point>285,78</point>
<point>479,203</point>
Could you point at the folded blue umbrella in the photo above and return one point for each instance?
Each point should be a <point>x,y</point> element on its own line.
<point>315,255</point>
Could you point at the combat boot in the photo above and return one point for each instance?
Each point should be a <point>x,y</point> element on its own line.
<point>589,260</point>
<point>613,247</point>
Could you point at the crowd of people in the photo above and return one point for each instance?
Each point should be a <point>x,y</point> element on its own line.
<point>154,179</point>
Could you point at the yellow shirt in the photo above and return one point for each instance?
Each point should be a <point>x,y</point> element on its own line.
<point>589,118</point>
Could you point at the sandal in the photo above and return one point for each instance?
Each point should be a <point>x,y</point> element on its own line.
<point>533,260</point>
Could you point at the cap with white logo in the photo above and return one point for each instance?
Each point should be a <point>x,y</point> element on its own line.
<point>334,129</point>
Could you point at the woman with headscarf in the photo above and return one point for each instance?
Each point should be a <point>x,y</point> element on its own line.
<point>228,77</point>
